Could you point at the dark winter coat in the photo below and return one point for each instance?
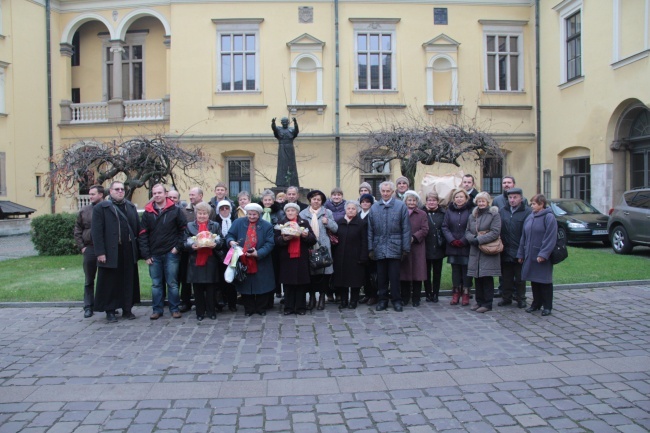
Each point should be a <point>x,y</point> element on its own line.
<point>414,266</point>
<point>161,231</point>
<point>512,225</point>
<point>501,201</point>
<point>351,254</point>
<point>538,240</point>
<point>435,220</point>
<point>82,235</point>
<point>338,210</point>
<point>277,213</point>
<point>483,220</point>
<point>264,280</point>
<point>294,271</point>
<point>323,237</point>
<point>389,229</point>
<point>209,273</point>
<point>105,231</point>
<point>454,226</point>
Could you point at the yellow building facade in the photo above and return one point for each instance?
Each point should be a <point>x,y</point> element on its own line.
<point>213,74</point>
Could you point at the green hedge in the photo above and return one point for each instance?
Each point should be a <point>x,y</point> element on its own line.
<point>52,235</point>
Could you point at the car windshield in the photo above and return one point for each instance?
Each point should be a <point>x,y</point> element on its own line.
<point>572,207</point>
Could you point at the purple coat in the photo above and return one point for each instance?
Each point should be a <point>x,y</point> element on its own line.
<point>538,240</point>
<point>414,266</point>
<point>454,226</point>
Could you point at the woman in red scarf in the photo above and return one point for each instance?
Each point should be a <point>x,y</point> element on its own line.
<point>293,258</point>
<point>202,262</point>
<point>255,236</point>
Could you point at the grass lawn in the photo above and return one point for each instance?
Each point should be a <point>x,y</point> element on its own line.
<point>62,279</point>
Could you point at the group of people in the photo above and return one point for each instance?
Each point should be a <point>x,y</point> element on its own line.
<point>391,247</point>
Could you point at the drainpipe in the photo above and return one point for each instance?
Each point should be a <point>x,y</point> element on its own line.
<point>337,136</point>
<point>538,109</point>
<point>50,138</point>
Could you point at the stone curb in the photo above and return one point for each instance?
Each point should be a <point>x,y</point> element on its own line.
<point>147,303</point>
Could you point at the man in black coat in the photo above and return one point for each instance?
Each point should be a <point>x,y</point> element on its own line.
<point>293,193</point>
<point>114,230</point>
<point>161,242</point>
<point>512,224</point>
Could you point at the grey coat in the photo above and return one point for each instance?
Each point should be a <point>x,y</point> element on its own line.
<point>389,230</point>
<point>481,264</point>
<point>538,240</point>
<point>323,237</point>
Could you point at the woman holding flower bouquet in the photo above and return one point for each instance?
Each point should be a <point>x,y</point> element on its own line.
<point>293,238</point>
<point>203,241</point>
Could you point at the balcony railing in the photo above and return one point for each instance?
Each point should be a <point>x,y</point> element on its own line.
<point>91,112</point>
<point>114,110</point>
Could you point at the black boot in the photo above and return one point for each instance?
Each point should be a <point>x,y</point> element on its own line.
<point>321,301</point>
<point>405,289</point>
<point>312,301</point>
<point>354,299</point>
<point>343,295</point>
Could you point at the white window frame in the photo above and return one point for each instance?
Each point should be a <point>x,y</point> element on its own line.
<point>235,27</point>
<point>131,39</point>
<point>386,26</point>
<point>567,9</point>
<point>3,87</point>
<point>251,171</point>
<point>506,29</point>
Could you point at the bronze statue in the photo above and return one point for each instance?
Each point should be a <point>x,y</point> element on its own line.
<point>287,173</point>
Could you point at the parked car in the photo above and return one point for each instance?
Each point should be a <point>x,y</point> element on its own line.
<point>629,221</point>
<point>580,221</point>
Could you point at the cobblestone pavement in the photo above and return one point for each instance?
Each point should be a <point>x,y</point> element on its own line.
<point>14,247</point>
<point>438,367</point>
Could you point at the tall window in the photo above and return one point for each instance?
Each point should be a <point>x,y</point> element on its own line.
<point>576,182</point>
<point>132,72</point>
<point>3,174</point>
<point>640,154</point>
<point>76,50</point>
<point>3,75</point>
<point>503,62</point>
<point>239,176</point>
<point>238,61</point>
<point>547,184</point>
<point>492,174</point>
<point>573,47</point>
<point>375,57</point>
<point>39,185</point>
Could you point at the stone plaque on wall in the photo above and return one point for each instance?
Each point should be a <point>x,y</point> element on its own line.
<point>305,14</point>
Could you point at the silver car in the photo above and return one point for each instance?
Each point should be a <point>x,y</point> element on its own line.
<point>629,221</point>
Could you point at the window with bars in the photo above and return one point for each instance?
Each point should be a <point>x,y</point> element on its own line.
<point>573,47</point>
<point>238,61</point>
<point>576,181</point>
<point>503,62</point>
<point>239,176</point>
<point>492,173</point>
<point>375,58</point>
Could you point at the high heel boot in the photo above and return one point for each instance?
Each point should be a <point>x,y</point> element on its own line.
<point>455,295</point>
<point>312,301</point>
<point>321,301</point>
<point>465,301</point>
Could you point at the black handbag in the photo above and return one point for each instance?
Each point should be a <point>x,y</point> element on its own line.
<point>319,258</point>
<point>240,272</point>
<point>560,253</point>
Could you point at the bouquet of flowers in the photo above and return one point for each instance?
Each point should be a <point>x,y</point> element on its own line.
<point>205,239</point>
<point>290,228</point>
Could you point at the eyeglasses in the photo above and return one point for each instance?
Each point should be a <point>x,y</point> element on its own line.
<point>118,189</point>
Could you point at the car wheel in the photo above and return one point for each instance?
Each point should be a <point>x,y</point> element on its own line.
<point>561,234</point>
<point>621,243</point>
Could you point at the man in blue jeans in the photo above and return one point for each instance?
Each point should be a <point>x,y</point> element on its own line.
<point>161,242</point>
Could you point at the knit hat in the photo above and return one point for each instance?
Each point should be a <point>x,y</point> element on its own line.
<point>254,207</point>
<point>404,179</point>
<point>365,185</point>
<point>368,197</point>
<point>291,206</point>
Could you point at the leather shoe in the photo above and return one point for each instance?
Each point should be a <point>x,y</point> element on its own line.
<point>546,312</point>
<point>301,312</point>
<point>184,308</point>
<point>397,306</point>
<point>352,305</point>
<point>128,315</point>
<point>262,313</point>
<point>434,298</point>
<point>381,306</point>
<point>233,308</point>
<point>504,303</point>
<point>521,304</point>
<point>312,302</point>
<point>248,314</point>
<point>199,318</point>
<point>364,300</point>
<point>483,310</point>
<point>177,315</point>
<point>321,302</point>
<point>88,313</point>
<point>155,316</point>
<point>110,317</point>
<point>288,312</point>
<point>416,303</point>
<point>531,309</point>
<point>213,317</point>
<point>372,301</point>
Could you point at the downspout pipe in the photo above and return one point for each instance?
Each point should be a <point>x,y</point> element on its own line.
<point>337,132</point>
<point>50,137</point>
<point>538,107</point>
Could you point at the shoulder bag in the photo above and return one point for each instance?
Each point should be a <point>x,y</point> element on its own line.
<point>319,258</point>
<point>491,248</point>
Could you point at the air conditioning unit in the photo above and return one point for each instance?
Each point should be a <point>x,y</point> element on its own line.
<point>379,166</point>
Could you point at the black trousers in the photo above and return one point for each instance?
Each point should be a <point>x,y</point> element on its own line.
<point>511,282</point>
<point>320,283</point>
<point>256,303</point>
<point>294,298</point>
<point>204,298</point>
<point>370,284</point>
<point>90,272</point>
<point>458,275</point>
<point>411,290</point>
<point>542,295</point>
<point>348,294</point>
<point>434,274</point>
<point>484,291</point>
<point>388,276</point>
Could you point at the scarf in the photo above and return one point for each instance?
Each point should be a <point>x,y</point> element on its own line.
<point>294,246</point>
<point>314,222</point>
<point>203,253</point>
<point>225,226</point>
<point>266,216</point>
<point>250,242</point>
